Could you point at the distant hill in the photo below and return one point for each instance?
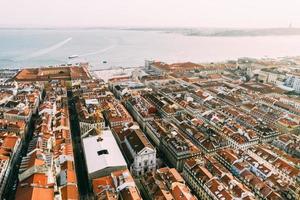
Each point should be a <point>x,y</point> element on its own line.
<point>257,32</point>
<point>225,32</point>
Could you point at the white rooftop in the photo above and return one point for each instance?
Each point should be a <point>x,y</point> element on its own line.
<point>285,88</point>
<point>91,101</point>
<point>104,153</point>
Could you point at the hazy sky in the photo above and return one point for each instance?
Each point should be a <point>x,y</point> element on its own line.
<point>162,13</point>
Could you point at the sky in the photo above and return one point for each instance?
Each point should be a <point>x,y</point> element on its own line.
<point>150,13</point>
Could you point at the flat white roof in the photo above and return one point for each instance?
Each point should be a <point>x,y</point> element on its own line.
<point>91,101</point>
<point>100,154</point>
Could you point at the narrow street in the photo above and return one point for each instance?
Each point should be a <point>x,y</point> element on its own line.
<point>80,165</point>
<point>12,181</point>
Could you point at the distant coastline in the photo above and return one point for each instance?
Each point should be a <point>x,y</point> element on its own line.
<point>225,32</point>
<point>188,31</point>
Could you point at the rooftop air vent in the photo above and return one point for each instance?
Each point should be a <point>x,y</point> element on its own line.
<point>101,152</point>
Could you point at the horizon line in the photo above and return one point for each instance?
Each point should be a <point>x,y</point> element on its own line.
<point>139,27</point>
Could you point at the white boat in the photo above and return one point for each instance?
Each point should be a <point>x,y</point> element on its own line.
<point>73,56</point>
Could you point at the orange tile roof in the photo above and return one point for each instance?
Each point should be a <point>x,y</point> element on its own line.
<point>71,176</point>
<point>10,142</point>
<point>182,192</point>
<point>39,179</point>
<point>130,194</point>
<point>105,181</point>
<point>34,193</point>
<point>53,73</point>
<point>34,160</point>
<point>69,192</point>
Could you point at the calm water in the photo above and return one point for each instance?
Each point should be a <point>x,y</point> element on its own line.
<point>31,48</point>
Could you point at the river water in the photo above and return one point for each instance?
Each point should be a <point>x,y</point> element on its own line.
<point>129,48</point>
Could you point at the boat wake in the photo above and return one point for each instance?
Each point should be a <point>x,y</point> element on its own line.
<point>44,51</point>
<point>98,52</point>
